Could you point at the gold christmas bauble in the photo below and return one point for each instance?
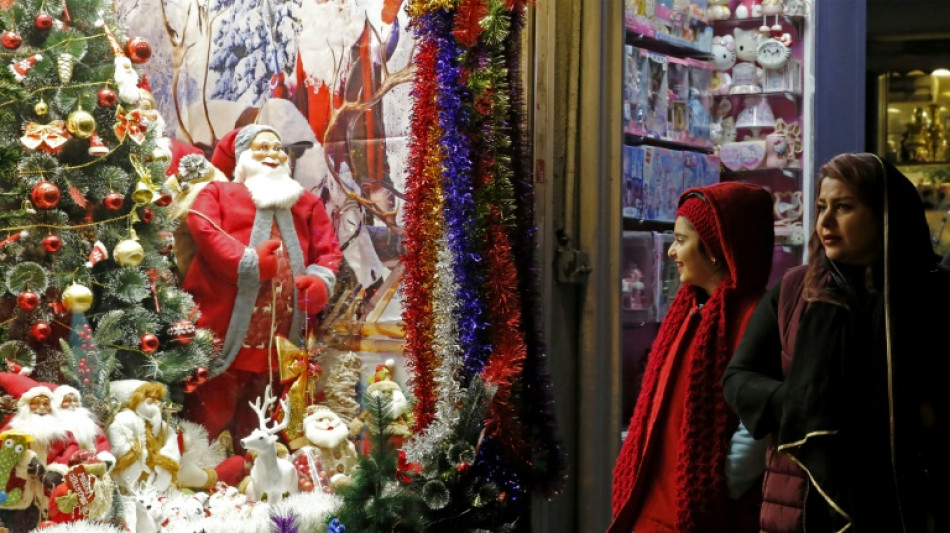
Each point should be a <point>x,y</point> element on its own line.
<point>81,123</point>
<point>128,253</point>
<point>41,108</point>
<point>77,298</point>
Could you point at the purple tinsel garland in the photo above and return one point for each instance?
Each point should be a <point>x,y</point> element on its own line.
<point>459,202</point>
<point>538,391</point>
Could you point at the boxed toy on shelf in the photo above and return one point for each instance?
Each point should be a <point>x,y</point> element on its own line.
<point>667,276</point>
<point>633,182</point>
<point>639,276</point>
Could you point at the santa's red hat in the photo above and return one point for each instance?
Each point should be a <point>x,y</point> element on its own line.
<point>25,388</point>
<point>223,156</point>
<point>21,67</point>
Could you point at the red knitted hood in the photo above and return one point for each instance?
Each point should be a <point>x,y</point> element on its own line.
<point>743,212</point>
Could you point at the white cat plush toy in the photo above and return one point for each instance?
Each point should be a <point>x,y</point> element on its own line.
<point>747,77</point>
<point>718,10</point>
<point>724,57</point>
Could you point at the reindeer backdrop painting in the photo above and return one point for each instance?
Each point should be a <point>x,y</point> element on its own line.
<point>333,75</point>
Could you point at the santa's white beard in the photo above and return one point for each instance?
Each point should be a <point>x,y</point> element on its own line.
<point>327,438</point>
<point>399,405</point>
<point>152,414</point>
<point>45,429</point>
<point>82,424</point>
<point>270,187</point>
<point>127,81</point>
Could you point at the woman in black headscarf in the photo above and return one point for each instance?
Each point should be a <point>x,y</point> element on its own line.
<point>838,364</point>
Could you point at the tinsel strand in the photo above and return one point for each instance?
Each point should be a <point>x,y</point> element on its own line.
<point>422,224</point>
<point>459,211</point>
<point>493,182</point>
<point>426,447</point>
<point>537,392</point>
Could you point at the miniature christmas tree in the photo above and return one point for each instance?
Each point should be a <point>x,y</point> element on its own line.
<point>87,293</point>
<point>381,499</point>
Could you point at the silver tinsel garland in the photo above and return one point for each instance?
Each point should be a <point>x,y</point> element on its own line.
<point>425,448</point>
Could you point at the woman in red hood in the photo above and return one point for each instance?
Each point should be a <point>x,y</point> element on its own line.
<point>672,471</point>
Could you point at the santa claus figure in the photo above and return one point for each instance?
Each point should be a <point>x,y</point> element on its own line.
<point>83,427</point>
<point>398,410</point>
<point>166,454</point>
<point>47,442</point>
<point>328,440</point>
<point>143,443</point>
<point>266,260</point>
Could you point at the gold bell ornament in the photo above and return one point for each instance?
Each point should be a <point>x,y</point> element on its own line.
<point>144,192</point>
<point>41,107</point>
<point>77,298</point>
<point>81,123</point>
<point>128,253</point>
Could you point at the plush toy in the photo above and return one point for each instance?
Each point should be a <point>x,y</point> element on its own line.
<point>718,10</point>
<point>328,440</point>
<point>724,57</point>
<point>747,77</point>
<point>772,8</point>
<point>749,9</point>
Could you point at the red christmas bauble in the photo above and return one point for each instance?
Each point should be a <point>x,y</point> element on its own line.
<point>190,384</point>
<point>40,331</point>
<point>182,331</point>
<point>11,40</point>
<point>138,50</point>
<point>202,374</point>
<point>52,243</point>
<point>113,201</point>
<point>43,21</point>
<point>106,97</point>
<point>305,485</point>
<point>149,343</point>
<point>45,195</point>
<point>147,215</point>
<point>28,300</point>
<point>164,200</point>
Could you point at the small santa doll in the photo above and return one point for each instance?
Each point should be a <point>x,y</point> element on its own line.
<point>329,441</point>
<point>82,425</point>
<point>398,408</point>
<point>266,260</point>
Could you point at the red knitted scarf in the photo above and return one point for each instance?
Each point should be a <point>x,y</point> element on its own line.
<point>708,423</point>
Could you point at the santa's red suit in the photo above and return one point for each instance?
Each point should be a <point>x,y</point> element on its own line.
<point>225,281</point>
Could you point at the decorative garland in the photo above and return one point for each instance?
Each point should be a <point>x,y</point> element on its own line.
<point>461,227</point>
<point>471,307</point>
<point>423,225</point>
<point>536,388</point>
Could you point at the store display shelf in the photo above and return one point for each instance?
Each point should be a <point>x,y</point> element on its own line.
<point>793,96</point>
<point>635,140</point>
<point>639,224</point>
<point>749,175</point>
<point>796,21</point>
<point>667,45</point>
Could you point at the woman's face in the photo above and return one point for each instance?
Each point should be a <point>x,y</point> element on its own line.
<point>849,231</point>
<point>693,265</point>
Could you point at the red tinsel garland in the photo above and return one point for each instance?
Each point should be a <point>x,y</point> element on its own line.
<point>508,343</point>
<point>467,23</point>
<point>423,226</point>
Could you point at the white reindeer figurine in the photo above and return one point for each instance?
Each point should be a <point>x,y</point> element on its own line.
<point>271,477</point>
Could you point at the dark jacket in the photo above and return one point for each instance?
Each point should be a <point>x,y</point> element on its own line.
<point>860,406</point>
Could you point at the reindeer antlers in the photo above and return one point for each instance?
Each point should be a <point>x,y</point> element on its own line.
<point>261,405</point>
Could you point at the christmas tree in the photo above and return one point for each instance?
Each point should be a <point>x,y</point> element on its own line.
<point>86,288</point>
